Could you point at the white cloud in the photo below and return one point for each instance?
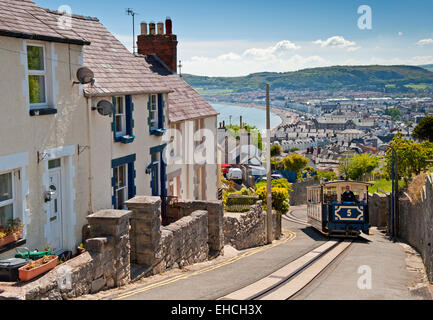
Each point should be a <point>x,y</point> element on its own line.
<point>400,33</point>
<point>281,48</point>
<point>335,42</point>
<point>425,42</point>
<point>229,57</point>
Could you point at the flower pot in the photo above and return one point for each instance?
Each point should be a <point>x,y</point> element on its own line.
<point>11,238</point>
<point>26,275</point>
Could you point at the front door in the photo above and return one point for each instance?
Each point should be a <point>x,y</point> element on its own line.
<point>55,238</point>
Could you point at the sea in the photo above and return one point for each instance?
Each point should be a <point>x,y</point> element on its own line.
<point>251,116</point>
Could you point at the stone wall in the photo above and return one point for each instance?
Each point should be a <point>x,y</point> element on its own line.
<point>104,265</point>
<point>299,195</point>
<point>379,207</point>
<point>415,224</point>
<point>186,240</point>
<point>181,208</point>
<point>248,229</point>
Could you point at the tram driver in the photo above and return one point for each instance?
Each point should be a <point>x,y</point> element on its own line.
<point>348,196</point>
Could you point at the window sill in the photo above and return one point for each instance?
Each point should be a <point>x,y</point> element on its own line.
<point>42,111</point>
<point>12,245</point>
<point>157,132</point>
<point>125,139</point>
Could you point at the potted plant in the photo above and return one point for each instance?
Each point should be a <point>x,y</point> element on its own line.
<point>38,267</point>
<point>13,232</point>
<point>81,248</point>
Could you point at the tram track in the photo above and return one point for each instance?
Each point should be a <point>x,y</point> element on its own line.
<point>289,216</point>
<point>290,280</point>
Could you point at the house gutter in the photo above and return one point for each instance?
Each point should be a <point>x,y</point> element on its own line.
<point>30,36</point>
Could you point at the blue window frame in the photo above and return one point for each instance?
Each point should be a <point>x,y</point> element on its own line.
<point>123,122</point>
<point>158,169</point>
<point>156,117</point>
<point>123,180</point>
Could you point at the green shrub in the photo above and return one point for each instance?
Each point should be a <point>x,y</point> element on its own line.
<point>280,198</point>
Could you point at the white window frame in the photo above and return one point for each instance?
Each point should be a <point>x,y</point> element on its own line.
<point>124,188</point>
<point>11,201</point>
<point>37,73</point>
<point>154,109</point>
<point>122,116</point>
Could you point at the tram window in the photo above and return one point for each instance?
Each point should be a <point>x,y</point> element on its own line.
<point>330,194</point>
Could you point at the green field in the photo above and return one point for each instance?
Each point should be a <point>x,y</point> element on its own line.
<point>385,185</point>
<point>421,86</point>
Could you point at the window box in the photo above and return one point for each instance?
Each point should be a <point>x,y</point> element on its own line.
<point>38,267</point>
<point>13,237</point>
<point>127,139</point>
<point>157,132</point>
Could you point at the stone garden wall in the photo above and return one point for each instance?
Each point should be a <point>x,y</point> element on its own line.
<point>248,229</point>
<point>379,206</point>
<point>193,231</point>
<point>104,265</point>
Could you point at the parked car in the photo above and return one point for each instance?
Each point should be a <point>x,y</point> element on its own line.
<point>225,169</point>
<point>235,174</point>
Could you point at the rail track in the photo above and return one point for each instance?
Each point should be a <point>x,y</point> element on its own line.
<point>290,280</point>
<point>292,218</point>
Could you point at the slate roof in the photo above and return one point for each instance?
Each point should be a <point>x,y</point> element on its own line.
<point>24,19</point>
<point>184,102</point>
<point>117,71</point>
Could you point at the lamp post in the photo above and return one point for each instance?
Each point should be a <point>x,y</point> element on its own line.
<point>394,194</point>
<point>268,169</point>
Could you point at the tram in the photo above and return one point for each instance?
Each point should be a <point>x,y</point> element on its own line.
<point>330,212</point>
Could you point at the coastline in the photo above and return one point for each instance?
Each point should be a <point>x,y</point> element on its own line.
<point>287,117</point>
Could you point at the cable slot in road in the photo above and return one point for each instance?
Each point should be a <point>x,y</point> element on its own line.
<point>292,278</point>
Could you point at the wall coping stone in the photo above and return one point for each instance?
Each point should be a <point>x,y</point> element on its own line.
<point>139,201</point>
<point>112,215</point>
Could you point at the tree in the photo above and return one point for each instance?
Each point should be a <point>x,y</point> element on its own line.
<point>362,164</point>
<point>424,129</point>
<point>344,165</point>
<point>394,113</point>
<point>275,150</point>
<point>327,175</point>
<point>295,162</point>
<point>411,156</point>
<point>280,198</point>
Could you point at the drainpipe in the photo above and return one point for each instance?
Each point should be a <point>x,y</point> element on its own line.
<point>89,132</point>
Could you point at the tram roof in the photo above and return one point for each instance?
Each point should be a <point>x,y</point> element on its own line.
<point>340,182</point>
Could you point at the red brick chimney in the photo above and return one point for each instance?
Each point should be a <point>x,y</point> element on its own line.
<point>163,45</point>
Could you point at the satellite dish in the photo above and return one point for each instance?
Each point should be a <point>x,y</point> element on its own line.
<point>105,108</point>
<point>85,75</point>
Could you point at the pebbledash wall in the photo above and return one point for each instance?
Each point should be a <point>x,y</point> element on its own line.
<point>248,229</point>
<point>414,223</point>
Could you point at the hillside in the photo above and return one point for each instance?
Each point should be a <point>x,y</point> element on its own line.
<point>428,67</point>
<point>357,78</point>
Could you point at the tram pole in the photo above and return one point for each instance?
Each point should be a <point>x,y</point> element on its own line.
<point>268,169</point>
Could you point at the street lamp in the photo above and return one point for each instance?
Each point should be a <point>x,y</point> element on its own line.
<point>394,196</point>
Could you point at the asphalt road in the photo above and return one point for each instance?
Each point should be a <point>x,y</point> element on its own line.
<point>378,256</point>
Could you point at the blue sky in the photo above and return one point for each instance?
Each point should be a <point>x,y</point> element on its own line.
<point>238,37</point>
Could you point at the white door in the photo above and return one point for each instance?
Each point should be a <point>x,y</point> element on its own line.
<point>55,209</point>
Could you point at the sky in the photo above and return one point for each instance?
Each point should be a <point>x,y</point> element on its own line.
<point>240,37</point>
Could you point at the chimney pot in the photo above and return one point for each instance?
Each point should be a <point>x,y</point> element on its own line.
<point>152,29</point>
<point>160,28</point>
<point>144,28</point>
<point>168,26</point>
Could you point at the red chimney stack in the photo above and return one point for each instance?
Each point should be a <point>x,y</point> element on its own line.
<point>163,45</point>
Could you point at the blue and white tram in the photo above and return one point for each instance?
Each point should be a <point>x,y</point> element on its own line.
<point>330,215</point>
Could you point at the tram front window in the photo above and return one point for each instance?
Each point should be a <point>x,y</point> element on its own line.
<point>348,196</point>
